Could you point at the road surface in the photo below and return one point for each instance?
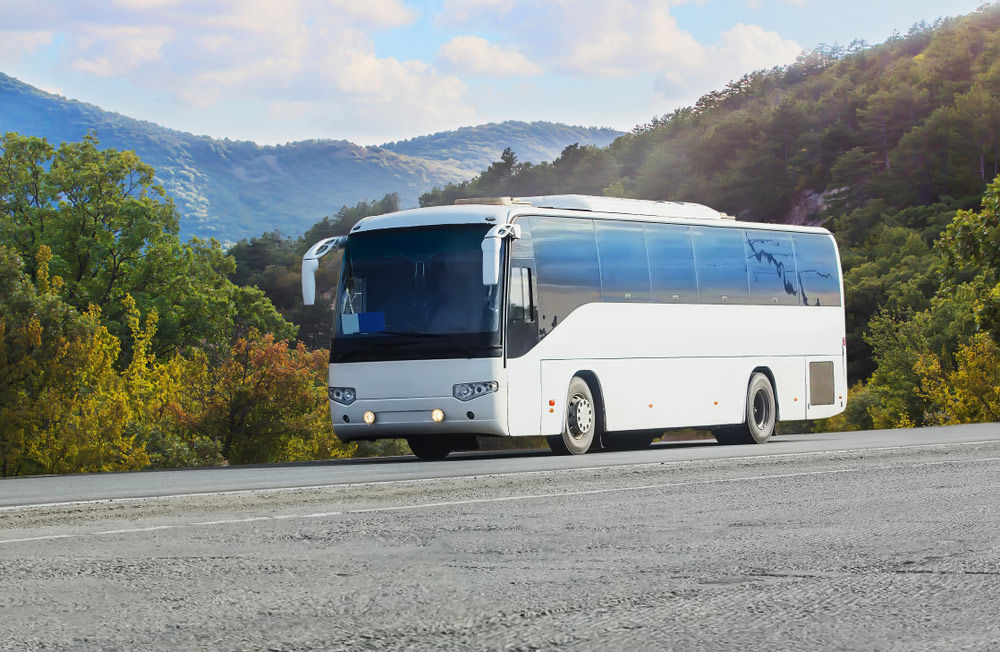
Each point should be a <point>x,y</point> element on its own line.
<point>878,540</point>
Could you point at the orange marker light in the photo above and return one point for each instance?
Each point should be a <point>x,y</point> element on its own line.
<point>716,402</point>
<point>650,405</point>
<point>551,402</point>
<point>551,410</point>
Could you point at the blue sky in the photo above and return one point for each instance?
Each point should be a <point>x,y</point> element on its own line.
<point>372,71</point>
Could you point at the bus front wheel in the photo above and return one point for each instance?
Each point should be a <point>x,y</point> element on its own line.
<point>430,448</point>
<point>761,415</point>
<point>580,432</point>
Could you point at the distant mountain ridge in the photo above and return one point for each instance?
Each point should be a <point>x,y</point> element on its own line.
<point>474,148</point>
<point>232,189</point>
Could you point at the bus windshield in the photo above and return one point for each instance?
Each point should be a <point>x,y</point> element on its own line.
<point>416,293</point>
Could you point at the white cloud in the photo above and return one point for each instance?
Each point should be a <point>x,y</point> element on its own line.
<point>14,43</point>
<point>752,47</point>
<point>477,56</point>
<point>316,57</point>
<point>459,12</point>
<point>378,13</point>
<point>109,51</point>
<point>624,38</point>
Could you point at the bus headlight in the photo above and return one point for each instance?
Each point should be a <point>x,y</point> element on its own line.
<point>343,395</point>
<point>469,391</point>
<point>369,417</point>
<point>437,416</point>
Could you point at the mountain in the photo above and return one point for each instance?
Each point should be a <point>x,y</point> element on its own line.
<point>475,148</point>
<point>232,189</point>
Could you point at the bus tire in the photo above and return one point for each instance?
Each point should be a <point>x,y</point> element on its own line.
<point>762,410</point>
<point>761,415</point>
<point>429,449</point>
<point>580,432</point>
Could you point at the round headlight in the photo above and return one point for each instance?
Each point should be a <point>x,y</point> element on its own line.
<point>369,417</point>
<point>437,416</point>
<point>348,395</point>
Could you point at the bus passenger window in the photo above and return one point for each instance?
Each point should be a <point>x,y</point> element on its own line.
<point>771,268</point>
<point>566,263</point>
<point>722,266</point>
<point>624,265</point>
<point>671,263</point>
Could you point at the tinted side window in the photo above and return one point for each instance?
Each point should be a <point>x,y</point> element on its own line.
<point>519,294</point>
<point>771,268</point>
<point>722,265</point>
<point>671,263</point>
<point>568,272</point>
<point>818,277</point>
<point>624,268</point>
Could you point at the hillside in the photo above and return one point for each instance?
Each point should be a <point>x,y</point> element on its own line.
<point>474,148</point>
<point>231,189</point>
<point>909,122</point>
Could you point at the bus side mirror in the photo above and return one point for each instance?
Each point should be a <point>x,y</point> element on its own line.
<point>491,261</point>
<point>492,244</point>
<point>310,263</point>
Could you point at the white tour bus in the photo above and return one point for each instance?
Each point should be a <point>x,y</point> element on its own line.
<point>589,320</point>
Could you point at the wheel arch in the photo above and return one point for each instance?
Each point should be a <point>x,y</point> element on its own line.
<point>774,387</point>
<point>594,384</point>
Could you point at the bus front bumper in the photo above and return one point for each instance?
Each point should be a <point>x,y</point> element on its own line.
<point>485,416</point>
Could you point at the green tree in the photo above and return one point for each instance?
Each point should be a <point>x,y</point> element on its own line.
<point>113,232</point>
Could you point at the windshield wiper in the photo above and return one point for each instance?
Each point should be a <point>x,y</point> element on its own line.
<point>413,334</point>
<point>446,339</point>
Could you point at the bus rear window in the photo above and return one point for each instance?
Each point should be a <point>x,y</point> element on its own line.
<point>816,260</point>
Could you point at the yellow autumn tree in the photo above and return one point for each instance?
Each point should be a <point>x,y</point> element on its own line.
<point>967,393</point>
<point>63,406</point>
<point>263,402</point>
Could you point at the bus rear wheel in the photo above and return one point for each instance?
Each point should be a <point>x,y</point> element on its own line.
<point>761,415</point>
<point>580,432</point>
<point>430,449</point>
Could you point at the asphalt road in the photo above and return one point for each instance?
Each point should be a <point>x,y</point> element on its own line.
<point>87,487</point>
<point>881,540</point>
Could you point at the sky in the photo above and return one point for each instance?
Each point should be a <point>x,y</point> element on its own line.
<point>374,71</point>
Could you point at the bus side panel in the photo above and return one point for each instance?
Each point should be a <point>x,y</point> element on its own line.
<point>642,394</point>
<point>556,375</point>
<point>524,395</point>
<point>672,392</point>
<point>691,362</point>
<point>790,386</point>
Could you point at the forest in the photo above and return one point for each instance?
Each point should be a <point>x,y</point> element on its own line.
<point>124,347</point>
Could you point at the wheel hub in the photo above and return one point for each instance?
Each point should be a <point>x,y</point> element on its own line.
<point>581,416</point>
<point>761,409</point>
